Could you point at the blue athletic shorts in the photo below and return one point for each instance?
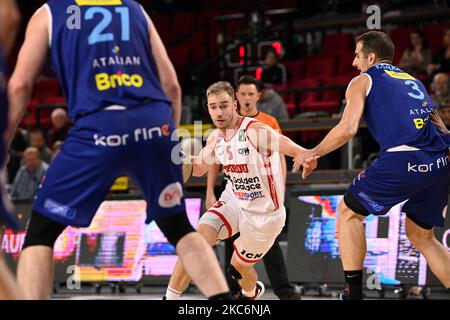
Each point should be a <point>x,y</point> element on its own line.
<point>421,178</point>
<point>104,146</point>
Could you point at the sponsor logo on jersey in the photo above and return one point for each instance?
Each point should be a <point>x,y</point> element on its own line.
<point>242,136</point>
<point>246,184</point>
<point>236,168</point>
<point>171,196</point>
<point>246,196</point>
<point>105,81</point>
<point>250,255</point>
<point>244,151</point>
<point>140,134</point>
<point>116,60</point>
<point>399,75</point>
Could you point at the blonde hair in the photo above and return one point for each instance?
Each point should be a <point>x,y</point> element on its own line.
<point>219,87</point>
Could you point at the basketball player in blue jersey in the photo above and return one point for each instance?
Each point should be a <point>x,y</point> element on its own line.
<point>124,101</point>
<point>412,165</point>
<point>9,24</point>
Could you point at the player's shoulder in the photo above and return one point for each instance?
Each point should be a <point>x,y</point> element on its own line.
<point>361,82</point>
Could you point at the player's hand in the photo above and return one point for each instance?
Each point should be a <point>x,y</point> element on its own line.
<point>436,119</point>
<point>210,199</point>
<point>306,159</point>
<point>310,167</point>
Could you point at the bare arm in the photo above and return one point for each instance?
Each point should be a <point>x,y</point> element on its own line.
<point>266,140</point>
<point>166,72</point>
<point>29,64</point>
<point>349,124</point>
<point>206,158</point>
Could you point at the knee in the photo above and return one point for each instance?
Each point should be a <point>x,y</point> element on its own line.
<point>42,231</point>
<point>345,214</point>
<point>419,240</point>
<point>175,227</point>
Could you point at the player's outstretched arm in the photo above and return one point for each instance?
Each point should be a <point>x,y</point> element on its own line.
<point>267,140</point>
<point>347,127</point>
<point>32,56</point>
<point>206,158</point>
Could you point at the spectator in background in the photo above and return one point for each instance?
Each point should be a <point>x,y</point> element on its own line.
<point>61,126</point>
<point>27,180</point>
<point>444,112</point>
<point>440,88</point>
<point>270,102</point>
<point>20,142</point>
<point>38,141</point>
<point>441,60</point>
<point>417,57</point>
<point>274,73</point>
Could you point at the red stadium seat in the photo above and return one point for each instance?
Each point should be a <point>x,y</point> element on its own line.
<point>345,67</point>
<point>45,88</point>
<point>318,67</point>
<point>434,34</point>
<point>400,36</point>
<point>295,70</point>
<point>334,95</point>
<point>309,96</point>
<point>338,42</point>
<point>285,96</point>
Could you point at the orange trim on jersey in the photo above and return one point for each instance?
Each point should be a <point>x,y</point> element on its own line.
<point>273,190</point>
<point>224,220</point>
<point>241,257</point>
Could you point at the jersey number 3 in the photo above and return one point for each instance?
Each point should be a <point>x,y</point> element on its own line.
<point>97,34</point>
<point>417,93</point>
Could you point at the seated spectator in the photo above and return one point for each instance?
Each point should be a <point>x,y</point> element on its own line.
<point>270,102</point>
<point>440,88</point>
<point>444,112</point>
<point>27,180</point>
<point>441,60</point>
<point>20,142</point>
<point>38,141</point>
<point>274,73</point>
<point>61,126</point>
<point>417,57</point>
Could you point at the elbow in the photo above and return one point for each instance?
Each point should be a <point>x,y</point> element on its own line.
<point>17,86</point>
<point>350,131</point>
<point>172,88</point>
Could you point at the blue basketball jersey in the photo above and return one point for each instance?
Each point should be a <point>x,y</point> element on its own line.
<point>398,109</point>
<point>102,54</point>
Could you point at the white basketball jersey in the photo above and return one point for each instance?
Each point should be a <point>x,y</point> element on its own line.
<point>256,179</point>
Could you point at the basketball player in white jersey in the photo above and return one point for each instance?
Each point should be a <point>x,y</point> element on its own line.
<point>252,203</point>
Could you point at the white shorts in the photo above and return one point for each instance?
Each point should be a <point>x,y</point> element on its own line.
<point>258,230</point>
